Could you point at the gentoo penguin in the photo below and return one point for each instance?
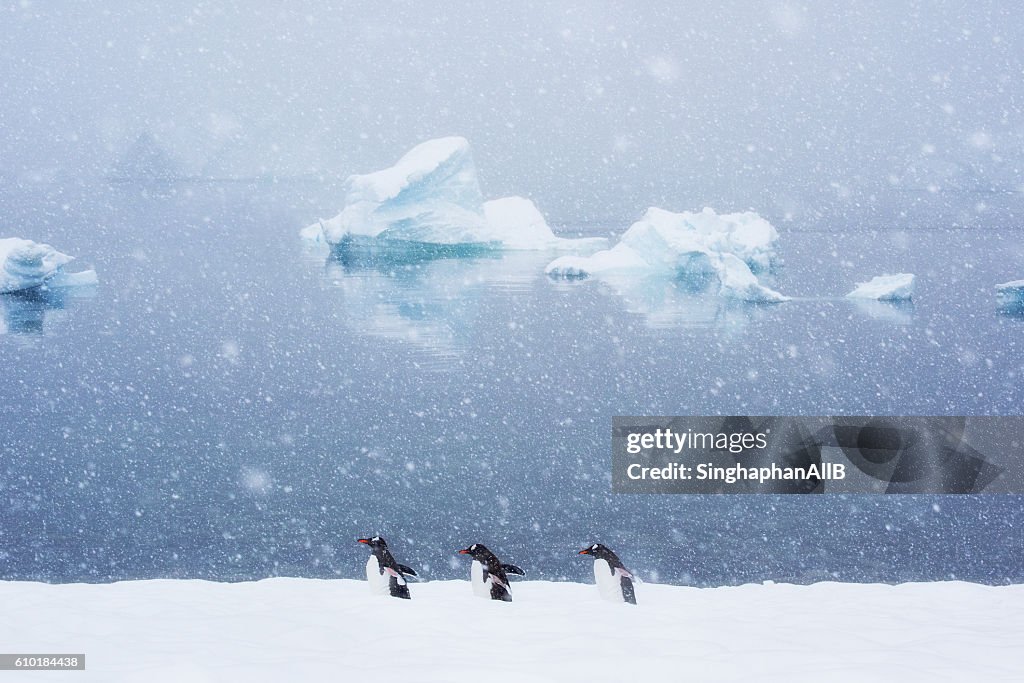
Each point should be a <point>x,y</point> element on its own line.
<point>382,572</point>
<point>488,574</point>
<point>614,581</point>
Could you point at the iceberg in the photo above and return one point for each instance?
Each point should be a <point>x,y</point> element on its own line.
<point>1011,294</point>
<point>899,287</point>
<point>704,246</point>
<point>314,234</point>
<point>25,264</point>
<point>432,196</point>
<point>517,223</point>
<point>736,281</point>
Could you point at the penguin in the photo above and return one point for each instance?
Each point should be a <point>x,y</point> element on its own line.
<point>382,572</point>
<point>614,581</point>
<point>488,575</point>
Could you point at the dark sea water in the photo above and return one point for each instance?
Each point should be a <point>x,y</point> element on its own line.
<point>232,404</point>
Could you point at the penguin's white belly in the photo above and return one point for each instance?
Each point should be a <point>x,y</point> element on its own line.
<point>481,588</point>
<point>608,584</point>
<point>377,582</point>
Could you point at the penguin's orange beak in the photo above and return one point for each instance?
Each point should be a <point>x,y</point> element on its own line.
<point>464,551</point>
<point>363,540</point>
<point>585,551</point>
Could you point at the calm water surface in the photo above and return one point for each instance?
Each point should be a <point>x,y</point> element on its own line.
<point>232,404</point>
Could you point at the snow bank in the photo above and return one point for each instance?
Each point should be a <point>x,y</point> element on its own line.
<point>729,248</point>
<point>1011,294</point>
<point>25,264</point>
<point>314,630</point>
<point>432,196</point>
<point>898,287</point>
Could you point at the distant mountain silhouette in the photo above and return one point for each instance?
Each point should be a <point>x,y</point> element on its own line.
<point>145,160</point>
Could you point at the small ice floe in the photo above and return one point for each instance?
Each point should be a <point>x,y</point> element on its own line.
<point>899,287</point>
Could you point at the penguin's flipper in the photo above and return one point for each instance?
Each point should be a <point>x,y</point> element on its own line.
<point>499,591</point>
<point>396,576</point>
<point>398,588</point>
<point>407,570</point>
<point>628,594</point>
<point>512,569</point>
<point>631,575</point>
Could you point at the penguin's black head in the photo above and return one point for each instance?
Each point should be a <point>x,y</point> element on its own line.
<point>477,550</point>
<point>375,543</point>
<point>597,550</point>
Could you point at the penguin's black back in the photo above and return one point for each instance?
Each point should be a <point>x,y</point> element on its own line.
<point>612,559</point>
<point>493,568</point>
<point>398,587</point>
<point>494,571</point>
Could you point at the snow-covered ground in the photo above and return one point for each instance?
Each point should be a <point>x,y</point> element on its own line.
<point>315,630</point>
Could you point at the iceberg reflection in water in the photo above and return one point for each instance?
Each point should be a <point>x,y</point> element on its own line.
<point>425,295</point>
<point>430,296</point>
<point>895,312</point>
<point>26,312</point>
<point>690,302</point>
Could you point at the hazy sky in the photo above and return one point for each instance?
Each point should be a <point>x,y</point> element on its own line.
<point>593,110</point>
